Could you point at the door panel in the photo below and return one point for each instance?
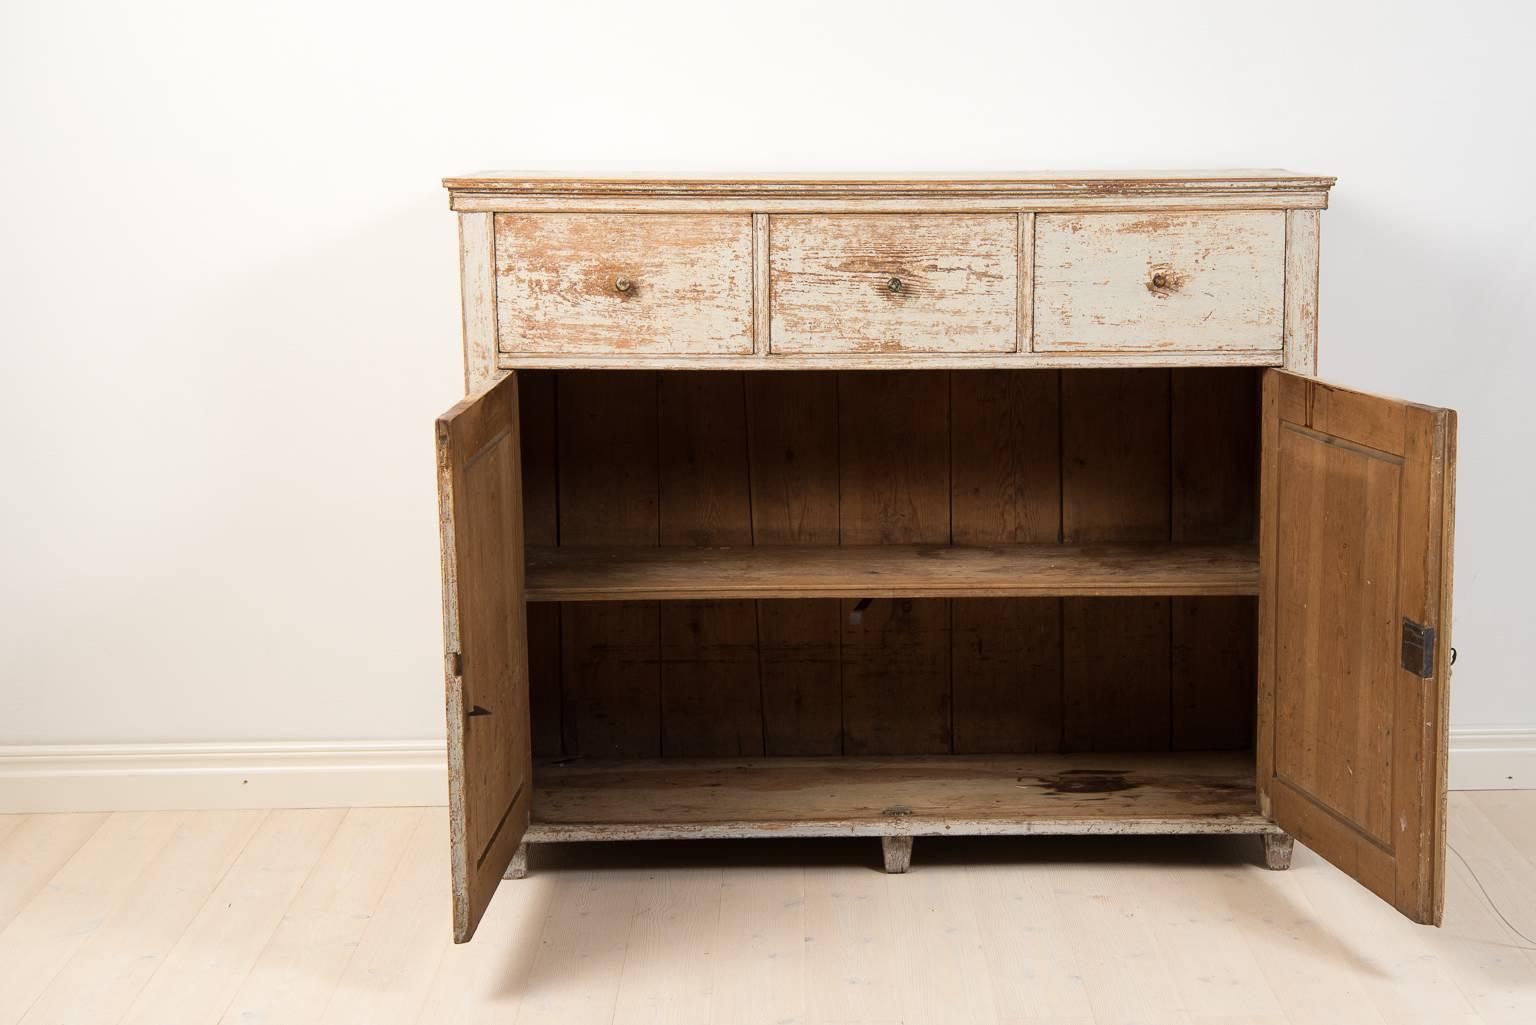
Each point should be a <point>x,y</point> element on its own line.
<point>490,763</point>
<point>1355,535</point>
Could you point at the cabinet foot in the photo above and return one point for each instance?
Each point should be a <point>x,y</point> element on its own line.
<point>898,853</point>
<point>1277,851</point>
<point>518,869</point>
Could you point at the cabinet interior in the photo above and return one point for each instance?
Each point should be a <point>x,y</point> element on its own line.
<point>691,512</point>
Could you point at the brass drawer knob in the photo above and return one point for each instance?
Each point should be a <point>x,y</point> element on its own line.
<point>1160,280</point>
<point>894,284</point>
<point>622,284</point>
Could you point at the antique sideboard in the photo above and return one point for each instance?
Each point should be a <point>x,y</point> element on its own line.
<point>915,506</point>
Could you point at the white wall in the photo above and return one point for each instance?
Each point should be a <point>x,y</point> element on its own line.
<point>229,308</point>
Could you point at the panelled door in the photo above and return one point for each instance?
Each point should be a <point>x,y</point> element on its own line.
<point>1355,615</point>
<point>490,756</point>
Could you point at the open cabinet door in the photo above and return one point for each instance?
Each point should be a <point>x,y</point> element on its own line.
<point>1354,632</point>
<point>490,757</point>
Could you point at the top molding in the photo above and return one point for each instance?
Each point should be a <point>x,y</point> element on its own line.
<point>1261,188</point>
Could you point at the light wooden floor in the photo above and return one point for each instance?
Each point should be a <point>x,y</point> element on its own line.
<point>286,917</point>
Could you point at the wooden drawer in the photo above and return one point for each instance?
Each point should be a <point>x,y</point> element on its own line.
<point>945,283</point>
<point>624,283</point>
<point>1151,282</point>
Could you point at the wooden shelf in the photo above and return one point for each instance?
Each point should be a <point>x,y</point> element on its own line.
<point>891,571</point>
<point>1200,792</point>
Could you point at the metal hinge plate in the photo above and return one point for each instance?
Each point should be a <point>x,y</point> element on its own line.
<point>1418,649</point>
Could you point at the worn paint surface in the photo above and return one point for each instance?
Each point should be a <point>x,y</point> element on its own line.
<point>892,283</point>
<point>1177,282</point>
<point>624,283</point>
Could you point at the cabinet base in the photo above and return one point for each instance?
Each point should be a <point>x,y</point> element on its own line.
<point>518,867</point>
<point>898,853</point>
<point>1277,851</point>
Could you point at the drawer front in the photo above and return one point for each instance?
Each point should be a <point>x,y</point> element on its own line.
<point>624,283</point>
<point>944,283</point>
<point>1152,282</point>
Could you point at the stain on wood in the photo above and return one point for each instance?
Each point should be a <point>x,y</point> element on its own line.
<point>948,794</point>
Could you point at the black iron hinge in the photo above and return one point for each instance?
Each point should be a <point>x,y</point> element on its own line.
<point>1418,648</point>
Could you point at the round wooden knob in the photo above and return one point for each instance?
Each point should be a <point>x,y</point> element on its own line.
<point>894,284</point>
<point>622,284</point>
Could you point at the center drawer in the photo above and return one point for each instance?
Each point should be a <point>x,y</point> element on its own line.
<point>862,283</point>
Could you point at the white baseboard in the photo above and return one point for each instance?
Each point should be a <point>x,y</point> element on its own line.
<point>1493,758</point>
<point>156,777</point>
<point>356,774</point>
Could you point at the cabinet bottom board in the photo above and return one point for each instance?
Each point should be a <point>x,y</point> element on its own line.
<point>711,798</point>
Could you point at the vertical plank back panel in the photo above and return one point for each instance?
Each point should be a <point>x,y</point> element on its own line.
<point>711,700</point>
<point>792,442</point>
<point>1215,499</point>
<point>541,526</point>
<point>893,430</point>
<point>1115,487</point>
<point>1006,489</point>
<point>609,494</point>
<point>972,457</point>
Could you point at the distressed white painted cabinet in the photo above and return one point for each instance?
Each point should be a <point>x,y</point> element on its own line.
<point>903,507</point>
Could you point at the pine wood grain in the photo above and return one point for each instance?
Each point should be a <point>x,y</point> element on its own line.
<point>583,573</point>
<point>1006,664</point>
<point>1214,492</point>
<point>896,677</point>
<point>1115,487</point>
<point>1355,532</point>
<point>800,662</point>
<point>711,697</point>
<point>792,429</point>
<point>485,639</point>
<point>894,468</point>
<point>910,795</point>
<point>609,494</point>
<point>1005,470</point>
<point>541,526</point>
